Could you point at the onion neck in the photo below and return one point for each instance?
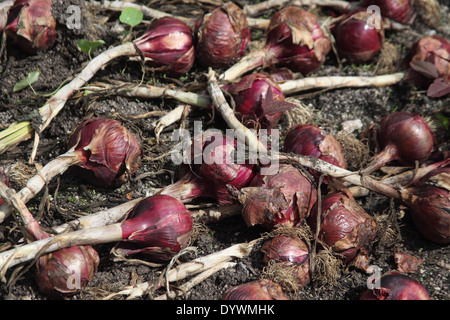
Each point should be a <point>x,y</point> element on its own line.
<point>189,188</point>
<point>388,154</point>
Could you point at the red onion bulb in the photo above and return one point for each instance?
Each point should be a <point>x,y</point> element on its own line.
<point>168,46</point>
<point>65,272</point>
<point>429,202</point>
<point>31,25</point>
<point>157,227</point>
<point>395,286</point>
<point>345,226</point>
<point>294,40</point>
<point>405,137</point>
<point>222,36</point>
<point>310,140</point>
<point>429,61</point>
<point>356,41</point>
<point>109,153</point>
<point>290,251</point>
<point>262,289</point>
<point>282,199</point>
<point>258,99</point>
<point>211,168</point>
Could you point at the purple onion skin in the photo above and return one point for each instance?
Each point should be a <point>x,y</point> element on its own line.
<point>262,289</point>
<point>396,286</point>
<point>284,198</point>
<point>295,40</point>
<point>290,251</point>
<point>433,50</point>
<point>109,152</point>
<point>355,40</point>
<point>66,272</point>
<point>430,206</point>
<point>157,227</point>
<point>222,36</point>
<point>226,173</point>
<point>345,226</point>
<point>405,137</point>
<point>168,45</point>
<point>249,94</point>
<point>310,140</point>
<point>211,170</point>
<point>31,25</point>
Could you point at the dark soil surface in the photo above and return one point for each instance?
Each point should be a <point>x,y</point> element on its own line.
<point>67,198</point>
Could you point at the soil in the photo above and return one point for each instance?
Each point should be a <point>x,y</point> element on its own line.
<point>66,197</point>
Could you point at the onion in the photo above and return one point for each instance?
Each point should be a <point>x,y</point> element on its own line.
<point>288,251</point>
<point>31,25</point>
<point>282,199</point>
<point>429,61</point>
<point>429,202</point>
<point>211,168</point>
<point>356,41</point>
<point>168,46</point>
<point>345,226</point>
<point>102,152</point>
<point>258,99</point>
<point>402,136</point>
<point>157,227</point>
<point>261,289</point>
<point>294,40</point>
<point>395,286</point>
<point>65,272</point>
<point>401,11</point>
<point>310,140</point>
<point>222,36</point>
<point>62,273</point>
<point>107,151</point>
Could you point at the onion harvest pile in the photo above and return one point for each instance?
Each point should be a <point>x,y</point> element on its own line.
<point>310,192</point>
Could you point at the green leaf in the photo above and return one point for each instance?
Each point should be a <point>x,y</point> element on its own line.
<point>88,46</point>
<point>131,16</point>
<point>31,78</point>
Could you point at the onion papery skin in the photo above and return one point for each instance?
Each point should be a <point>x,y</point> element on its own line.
<point>222,36</point>
<point>433,50</point>
<point>65,272</point>
<point>109,153</point>
<point>157,227</point>
<point>296,40</point>
<point>395,286</point>
<point>430,205</point>
<point>168,46</point>
<point>345,226</point>
<point>31,25</point>
<point>356,41</point>
<point>405,137</point>
<point>290,251</point>
<point>282,199</point>
<point>250,95</point>
<point>262,289</point>
<point>310,140</point>
<point>211,170</point>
